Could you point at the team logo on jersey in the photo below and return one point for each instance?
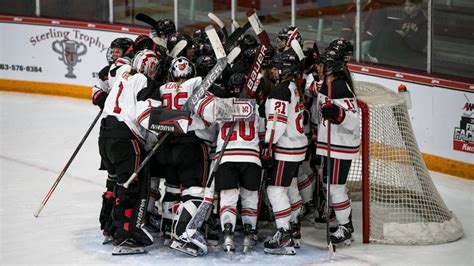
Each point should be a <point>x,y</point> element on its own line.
<point>463,138</point>
<point>69,52</point>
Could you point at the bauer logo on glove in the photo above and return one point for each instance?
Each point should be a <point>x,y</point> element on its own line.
<point>166,120</point>
<point>333,113</point>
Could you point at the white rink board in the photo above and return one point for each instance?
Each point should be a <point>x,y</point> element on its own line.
<point>26,48</point>
<point>435,114</point>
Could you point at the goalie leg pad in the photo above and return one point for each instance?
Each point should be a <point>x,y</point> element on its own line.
<point>192,198</point>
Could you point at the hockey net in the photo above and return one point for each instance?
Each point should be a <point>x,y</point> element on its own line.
<point>400,202</point>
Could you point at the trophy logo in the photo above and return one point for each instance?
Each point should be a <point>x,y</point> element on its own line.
<point>70,52</point>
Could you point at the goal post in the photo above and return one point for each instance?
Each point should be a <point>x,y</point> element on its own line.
<point>400,204</point>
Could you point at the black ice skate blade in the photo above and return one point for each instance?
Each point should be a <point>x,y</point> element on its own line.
<point>107,240</point>
<point>120,251</point>
<point>281,251</point>
<point>181,247</point>
<point>297,243</point>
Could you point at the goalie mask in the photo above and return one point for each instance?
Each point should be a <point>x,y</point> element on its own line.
<point>333,61</point>
<point>147,63</point>
<point>235,84</point>
<point>182,68</point>
<point>122,44</point>
<point>284,65</point>
<point>286,35</point>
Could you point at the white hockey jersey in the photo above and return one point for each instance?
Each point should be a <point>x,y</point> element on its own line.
<point>243,143</point>
<point>106,79</point>
<point>284,113</point>
<point>174,96</point>
<point>123,104</point>
<point>345,137</point>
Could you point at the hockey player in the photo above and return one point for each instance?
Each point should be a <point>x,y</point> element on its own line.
<point>122,142</point>
<point>285,36</point>
<point>284,114</point>
<point>183,159</point>
<point>342,112</point>
<point>239,172</point>
<point>100,91</point>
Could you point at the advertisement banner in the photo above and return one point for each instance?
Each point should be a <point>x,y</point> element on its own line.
<point>53,54</point>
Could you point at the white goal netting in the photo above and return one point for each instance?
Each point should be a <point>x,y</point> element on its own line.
<point>403,205</point>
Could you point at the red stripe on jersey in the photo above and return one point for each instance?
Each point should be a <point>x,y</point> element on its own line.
<point>144,115</point>
<point>279,118</point>
<point>203,105</point>
<point>336,149</point>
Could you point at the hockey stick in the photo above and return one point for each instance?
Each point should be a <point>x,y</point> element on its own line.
<point>146,19</point>
<point>295,45</point>
<point>178,48</point>
<point>216,71</point>
<point>331,246</point>
<point>219,22</point>
<point>233,39</point>
<point>263,184</point>
<point>51,190</point>
<point>257,62</point>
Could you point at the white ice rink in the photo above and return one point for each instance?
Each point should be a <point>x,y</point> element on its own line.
<point>39,134</point>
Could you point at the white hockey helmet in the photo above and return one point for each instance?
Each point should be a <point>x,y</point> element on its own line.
<point>146,62</point>
<point>182,68</point>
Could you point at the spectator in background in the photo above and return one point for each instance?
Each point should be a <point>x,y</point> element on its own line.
<point>403,44</point>
<point>374,18</point>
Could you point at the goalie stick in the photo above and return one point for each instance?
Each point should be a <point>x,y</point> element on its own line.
<point>214,73</point>
<point>262,35</point>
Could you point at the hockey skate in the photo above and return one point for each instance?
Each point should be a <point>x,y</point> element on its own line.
<point>108,238</point>
<point>128,247</point>
<point>296,233</point>
<point>321,218</point>
<point>281,244</point>
<point>250,238</point>
<point>342,235</point>
<point>228,244</point>
<point>194,246</point>
<point>212,230</point>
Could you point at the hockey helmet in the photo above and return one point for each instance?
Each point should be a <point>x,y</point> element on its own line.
<point>286,63</point>
<point>204,64</point>
<point>286,35</point>
<point>235,84</point>
<point>345,47</point>
<point>333,61</point>
<point>165,27</point>
<point>182,68</point>
<point>146,62</point>
<point>121,43</point>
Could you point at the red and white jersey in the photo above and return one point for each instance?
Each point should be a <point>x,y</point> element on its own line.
<point>174,96</point>
<point>345,137</point>
<point>284,108</point>
<point>243,143</point>
<point>123,104</point>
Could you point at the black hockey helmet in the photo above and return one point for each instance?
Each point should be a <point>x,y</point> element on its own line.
<point>286,35</point>
<point>248,56</point>
<point>121,43</point>
<point>200,37</point>
<point>287,63</point>
<point>235,84</point>
<point>269,53</point>
<point>333,61</point>
<point>204,64</point>
<point>165,27</point>
<point>248,42</point>
<point>345,47</point>
<point>143,42</point>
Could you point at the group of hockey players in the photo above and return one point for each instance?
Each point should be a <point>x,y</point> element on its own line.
<point>273,167</point>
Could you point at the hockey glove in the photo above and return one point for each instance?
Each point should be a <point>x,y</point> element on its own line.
<point>99,100</point>
<point>266,156</point>
<point>333,113</point>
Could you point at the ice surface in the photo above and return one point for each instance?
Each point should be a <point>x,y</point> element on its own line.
<point>39,134</point>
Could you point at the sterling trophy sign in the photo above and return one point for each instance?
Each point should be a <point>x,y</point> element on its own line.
<point>70,52</point>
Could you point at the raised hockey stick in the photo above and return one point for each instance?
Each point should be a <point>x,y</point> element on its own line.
<point>178,48</point>
<point>262,35</point>
<point>232,40</point>
<point>214,73</point>
<point>51,190</point>
<point>219,22</point>
<point>295,45</point>
<point>146,19</point>
<point>331,246</point>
